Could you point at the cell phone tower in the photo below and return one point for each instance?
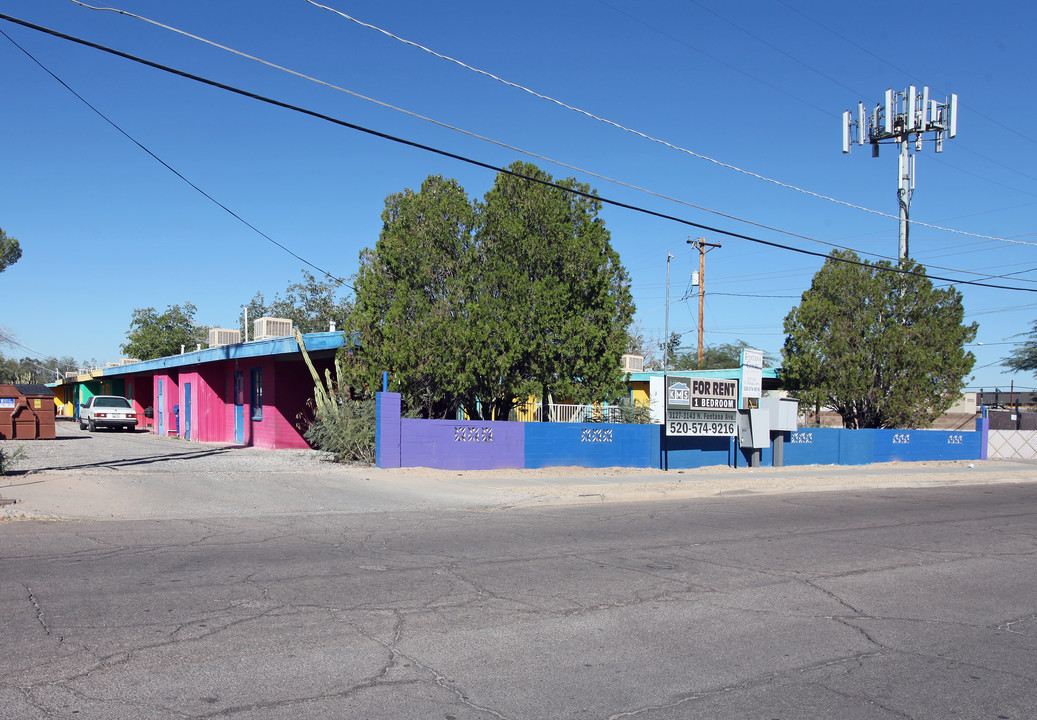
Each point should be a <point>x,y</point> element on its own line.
<point>901,118</point>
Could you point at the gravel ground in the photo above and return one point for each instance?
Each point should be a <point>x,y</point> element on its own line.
<point>131,475</point>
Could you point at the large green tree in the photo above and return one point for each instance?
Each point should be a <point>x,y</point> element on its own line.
<point>10,250</point>
<point>481,305</point>
<point>884,349</point>
<point>415,297</point>
<point>1024,357</point>
<point>312,305</point>
<point>153,334</point>
<point>552,277</point>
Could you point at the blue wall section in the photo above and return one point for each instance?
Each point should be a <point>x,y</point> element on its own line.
<point>836,446</point>
<point>812,446</point>
<point>590,445</point>
<point>915,445</point>
<point>692,452</point>
<point>470,445</point>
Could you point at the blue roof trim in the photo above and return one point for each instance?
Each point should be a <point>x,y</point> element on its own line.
<point>315,342</point>
<point>729,374</point>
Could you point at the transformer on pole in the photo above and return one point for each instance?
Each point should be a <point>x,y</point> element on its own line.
<point>899,119</point>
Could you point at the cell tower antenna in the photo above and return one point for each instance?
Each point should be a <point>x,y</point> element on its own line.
<point>899,118</point>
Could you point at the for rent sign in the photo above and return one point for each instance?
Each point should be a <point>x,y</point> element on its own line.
<point>701,406</point>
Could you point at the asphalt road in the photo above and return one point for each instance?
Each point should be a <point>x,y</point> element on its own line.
<point>870,604</point>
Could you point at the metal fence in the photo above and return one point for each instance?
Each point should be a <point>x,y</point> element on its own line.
<point>533,412</point>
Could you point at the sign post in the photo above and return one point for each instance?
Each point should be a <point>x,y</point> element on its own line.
<point>752,375</point>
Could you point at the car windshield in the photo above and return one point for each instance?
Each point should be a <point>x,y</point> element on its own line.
<point>112,402</point>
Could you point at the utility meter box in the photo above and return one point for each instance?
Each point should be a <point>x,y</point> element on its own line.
<point>754,429</point>
<point>784,413</point>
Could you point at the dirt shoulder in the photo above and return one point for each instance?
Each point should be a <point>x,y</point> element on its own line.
<point>85,475</point>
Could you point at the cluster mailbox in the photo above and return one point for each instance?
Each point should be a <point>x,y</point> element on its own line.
<point>783,412</point>
<point>761,427</point>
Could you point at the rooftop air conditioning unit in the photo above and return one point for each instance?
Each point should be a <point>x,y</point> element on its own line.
<point>268,327</point>
<point>222,336</point>
<point>633,363</point>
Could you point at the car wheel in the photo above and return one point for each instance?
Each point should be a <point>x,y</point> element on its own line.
<point>91,426</point>
<point>82,425</point>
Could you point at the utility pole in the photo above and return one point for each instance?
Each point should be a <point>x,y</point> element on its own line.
<point>701,245</point>
<point>894,121</point>
<point>666,330</point>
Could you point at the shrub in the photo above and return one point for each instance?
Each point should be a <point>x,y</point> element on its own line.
<point>344,428</point>
<point>8,459</point>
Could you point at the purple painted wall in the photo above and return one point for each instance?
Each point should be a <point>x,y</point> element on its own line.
<point>461,444</point>
<point>444,444</point>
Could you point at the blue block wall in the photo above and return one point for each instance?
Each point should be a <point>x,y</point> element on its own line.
<point>591,445</point>
<point>469,445</point>
<point>681,453</point>
<point>387,429</point>
<point>837,446</point>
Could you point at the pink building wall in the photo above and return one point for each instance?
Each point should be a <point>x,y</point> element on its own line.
<point>287,386</point>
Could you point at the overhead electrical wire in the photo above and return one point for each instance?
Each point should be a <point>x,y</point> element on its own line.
<point>170,167</point>
<point>511,147</point>
<point>895,67</point>
<point>477,136</point>
<point>834,81</point>
<point>643,135</point>
<point>487,166</point>
<point>716,59</point>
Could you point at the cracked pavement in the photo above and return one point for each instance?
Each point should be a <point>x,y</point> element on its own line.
<point>870,604</point>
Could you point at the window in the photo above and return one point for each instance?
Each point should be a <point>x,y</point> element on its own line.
<point>257,394</point>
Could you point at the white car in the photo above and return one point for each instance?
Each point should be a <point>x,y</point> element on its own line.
<point>110,411</point>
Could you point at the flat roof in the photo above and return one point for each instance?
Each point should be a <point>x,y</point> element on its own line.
<point>726,373</point>
<point>315,342</point>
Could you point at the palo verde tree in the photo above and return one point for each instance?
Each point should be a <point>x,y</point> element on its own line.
<point>153,334</point>
<point>877,343</point>
<point>481,305</point>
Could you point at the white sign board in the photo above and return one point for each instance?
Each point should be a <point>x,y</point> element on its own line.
<point>701,406</point>
<point>752,373</point>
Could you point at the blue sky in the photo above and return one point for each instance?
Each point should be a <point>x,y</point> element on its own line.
<point>756,85</point>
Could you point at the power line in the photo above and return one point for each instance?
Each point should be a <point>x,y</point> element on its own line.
<point>502,144</point>
<point>633,131</point>
<point>895,67</point>
<point>168,166</point>
<point>478,163</point>
<point>716,59</point>
<point>477,136</point>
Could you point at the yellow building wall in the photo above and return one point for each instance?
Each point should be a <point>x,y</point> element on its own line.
<point>639,393</point>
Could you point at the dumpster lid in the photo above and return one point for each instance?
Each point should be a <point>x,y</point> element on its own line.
<point>34,389</point>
